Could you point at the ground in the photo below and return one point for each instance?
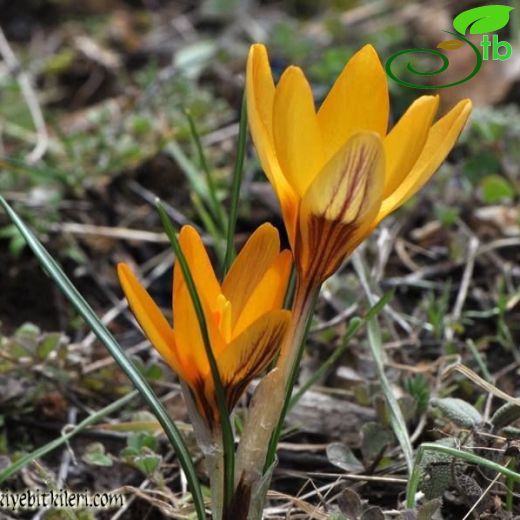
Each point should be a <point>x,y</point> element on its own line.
<point>116,83</point>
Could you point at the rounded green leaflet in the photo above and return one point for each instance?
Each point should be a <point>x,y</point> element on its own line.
<point>484,19</point>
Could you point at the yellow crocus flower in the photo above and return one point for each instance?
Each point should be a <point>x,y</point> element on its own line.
<point>244,317</point>
<point>337,172</point>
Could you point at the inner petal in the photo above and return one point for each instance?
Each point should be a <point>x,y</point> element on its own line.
<point>296,132</point>
<point>222,316</point>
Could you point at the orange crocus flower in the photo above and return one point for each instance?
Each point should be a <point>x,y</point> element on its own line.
<point>337,172</point>
<point>244,317</point>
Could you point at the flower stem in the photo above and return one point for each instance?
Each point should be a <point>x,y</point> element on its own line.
<point>305,299</point>
<point>257,449</point>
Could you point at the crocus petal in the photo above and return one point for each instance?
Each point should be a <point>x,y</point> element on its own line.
<point>260,98</point>
<point>441,139</point>
<point>357,101</point>
<point>200,265</point>
<point>250,353</point>
<point>249,267</point>
<point>297,136</point>
<point>344,198</point>
<point>150,317</point>
<point>188,336</point>
<point>268,294</point>
<point>406,140</point>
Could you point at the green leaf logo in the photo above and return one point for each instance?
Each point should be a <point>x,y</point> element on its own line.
<point>480,20</point>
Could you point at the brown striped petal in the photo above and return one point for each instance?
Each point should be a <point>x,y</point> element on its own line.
<point>339,204</point>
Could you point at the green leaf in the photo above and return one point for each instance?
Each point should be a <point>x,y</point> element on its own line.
<point>95,455</point>
<point>505,415</point>
<point>227,431</point>
<point>480,20</point>
<point>479,164</point>
<point>116,351</point>
<point>396,417</point>
<point>458,411</point>
<point>153,372</point>
<point>128,454</point>
<point>148,463</point>
<point>495,188</point>
<point>353,327</point>
<point>49,343</point>
<point>191,59</point>
<point>235,186</point>
<point>374,439</point>
<point>140,440</point>
<point>341,456</point>
<point>27,331</point>
<point>349,503</point>
<point>436,470</point>
<point>216,206</point>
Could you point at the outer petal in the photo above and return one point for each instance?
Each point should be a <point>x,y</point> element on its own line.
<point>268,295</point>
<point>200,266</point>
<point>150,317</point>
<point>297,136</point>
<point>249,267</point>
<point>260,98</point>
<point>188,336</point>
<point>343,200</point>
<point>441,139</point>
<point>357,101</point>
<point>405,142</point>
<point>251,352</point>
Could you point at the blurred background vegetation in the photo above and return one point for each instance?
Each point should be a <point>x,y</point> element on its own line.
<point>98,105</point>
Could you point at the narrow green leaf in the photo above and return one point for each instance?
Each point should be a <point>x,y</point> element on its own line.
<point>396,416</point>
<point>216,206</point>
<point>235,186</point>
<point>210,226</point>
<point>227,431</point>
<point>189,170</point>
<point>354,325</point>
<point>40,174</point>
<point>104,335</point>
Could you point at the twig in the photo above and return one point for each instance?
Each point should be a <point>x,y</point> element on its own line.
<point>76,228</point>
<point>109,360</point>
<point>68,454</point>
<point>24,81</point>
<point>357,262</point>
<point>466,278</point>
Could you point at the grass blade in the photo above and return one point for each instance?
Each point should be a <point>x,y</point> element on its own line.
<point>216,206</point>
<point>104,335</point>
<point>39,174</point>
<point>354,326</point>
<point>189,169</point>
<point>376,349</point>
<point>227,431</point>
<point>235,186</point>
<point>396,417</point>
<point>56,443</point>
